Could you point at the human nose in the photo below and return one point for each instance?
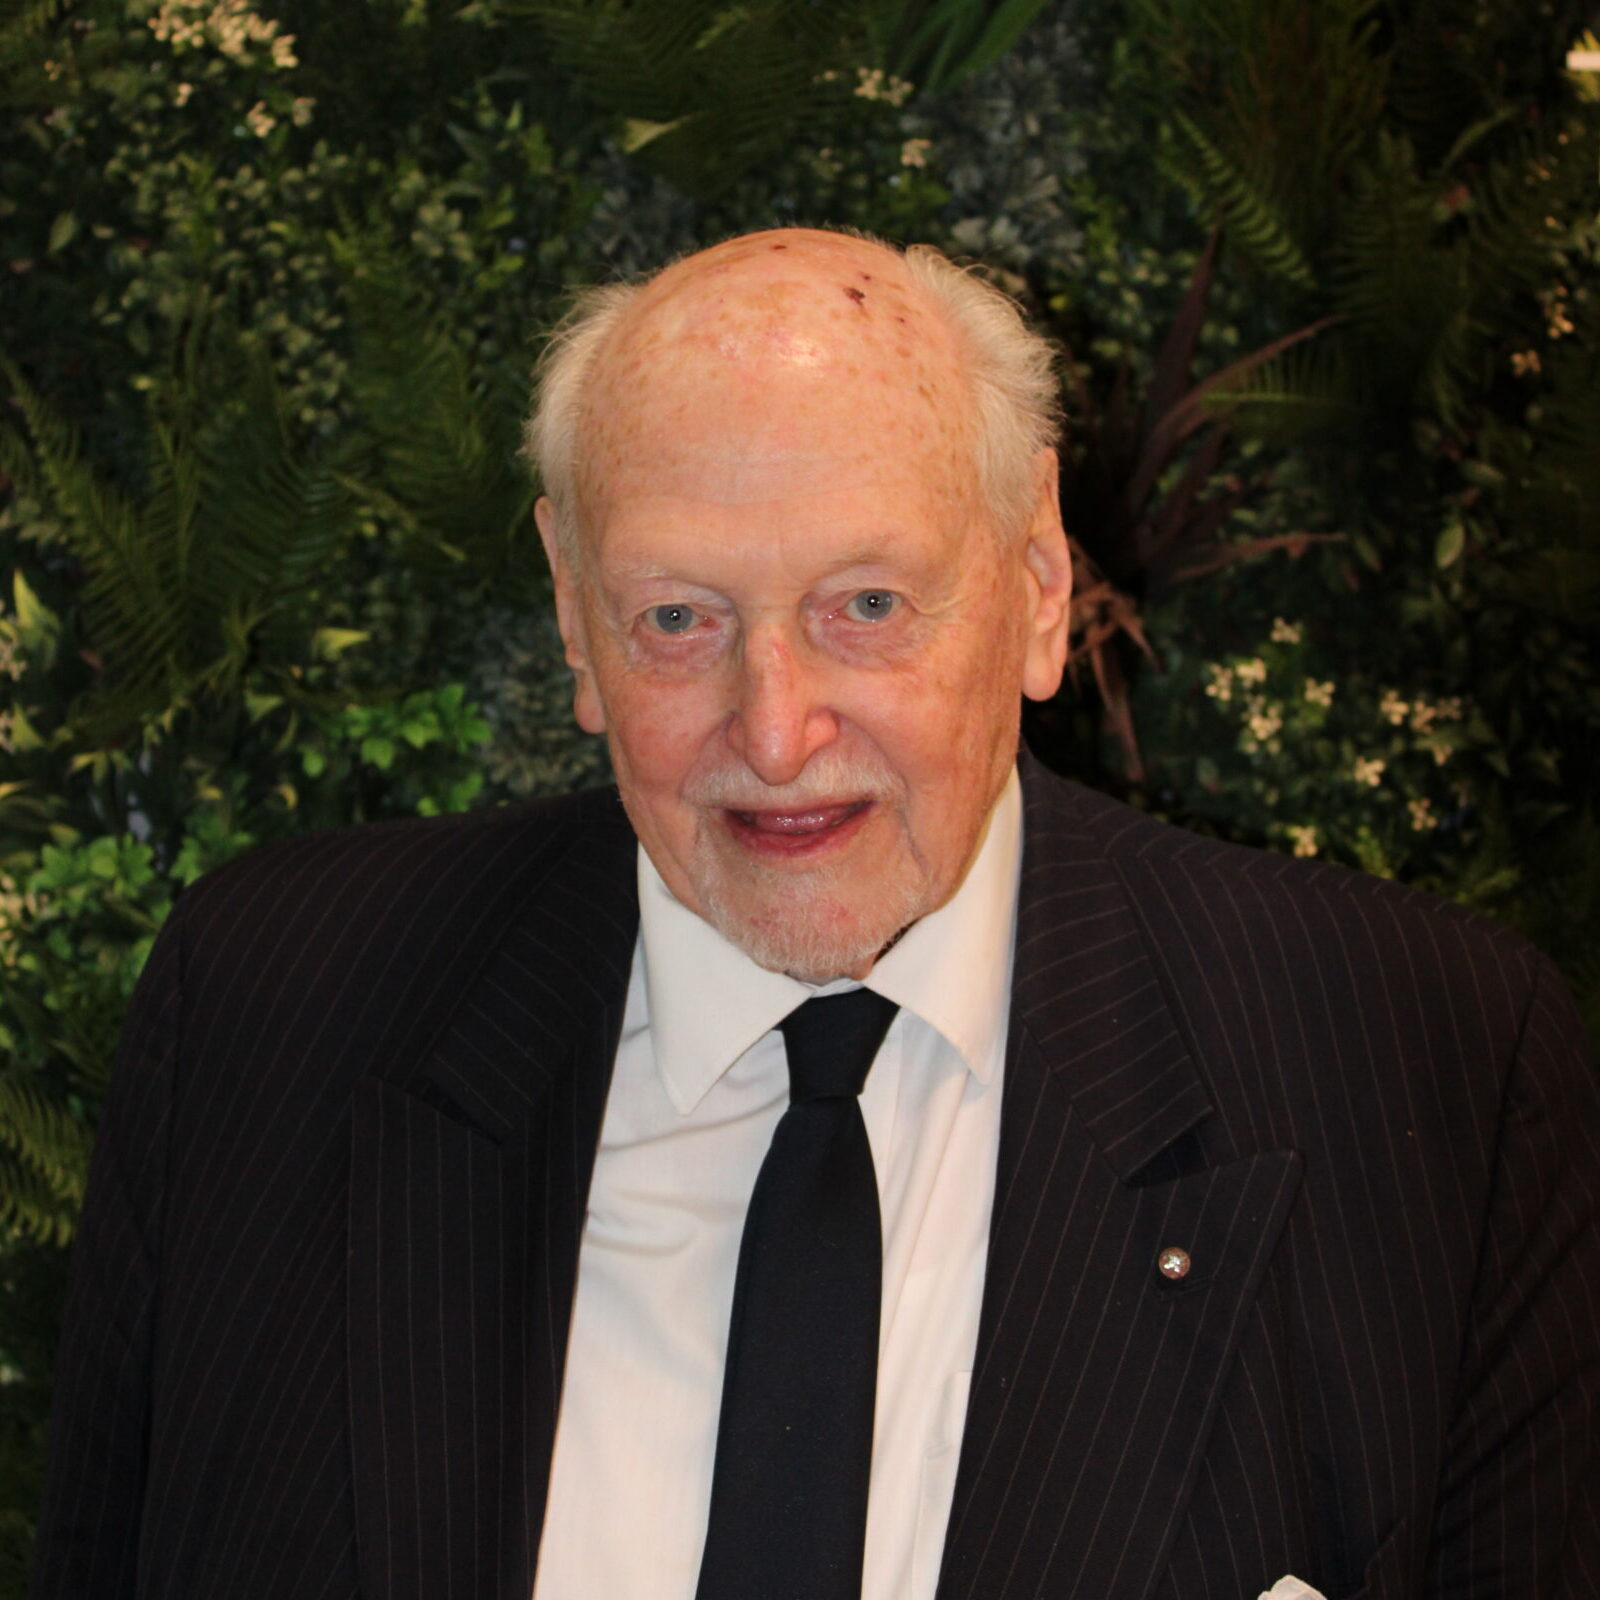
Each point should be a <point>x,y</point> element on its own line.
<point>780,720</point>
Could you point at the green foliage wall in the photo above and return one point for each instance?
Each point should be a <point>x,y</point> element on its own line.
<point>272,279</point>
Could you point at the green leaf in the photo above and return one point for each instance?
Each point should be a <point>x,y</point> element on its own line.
<point>379,751</point>
<point>62,231</point>
<point>637,133</point>
<point>24,736</point>
<point>1004,29</point>
<point>313,762</point>
<point>1451,543</point>
<point>261,705</point>
<point>34,617</point>
<point>328,644</point>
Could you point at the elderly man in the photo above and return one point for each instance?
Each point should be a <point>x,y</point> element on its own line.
<point>503,1206</point>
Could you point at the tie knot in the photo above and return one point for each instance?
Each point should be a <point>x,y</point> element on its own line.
<point>830,1043</point>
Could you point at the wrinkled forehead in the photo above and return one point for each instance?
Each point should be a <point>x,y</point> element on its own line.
<point>778,341</point>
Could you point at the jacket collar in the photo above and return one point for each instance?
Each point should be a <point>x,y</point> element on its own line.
<point>1096,1379</point>
<point>1086,993</point>
<point>469,1177</point>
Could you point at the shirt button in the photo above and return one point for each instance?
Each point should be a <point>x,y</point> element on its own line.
<point>1173,1262</point>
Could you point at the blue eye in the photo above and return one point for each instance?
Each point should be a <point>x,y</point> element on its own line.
<point>871,605</point>
<point>672,619</point>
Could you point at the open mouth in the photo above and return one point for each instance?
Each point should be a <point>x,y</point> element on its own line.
<point>800,831</point>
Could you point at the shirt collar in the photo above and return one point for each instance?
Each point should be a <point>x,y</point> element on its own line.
<point>709,1002</point>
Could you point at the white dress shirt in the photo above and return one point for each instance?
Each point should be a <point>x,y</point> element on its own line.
<point>700,1082</point>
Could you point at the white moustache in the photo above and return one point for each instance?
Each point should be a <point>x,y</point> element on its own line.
<point>839,780</point>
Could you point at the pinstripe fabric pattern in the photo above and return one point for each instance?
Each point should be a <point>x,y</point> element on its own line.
<point>1370,1121</point>
<point>322,1290</point>
<point>347,1065</point>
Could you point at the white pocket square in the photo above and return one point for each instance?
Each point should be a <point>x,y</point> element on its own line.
<point>1290,1589</point>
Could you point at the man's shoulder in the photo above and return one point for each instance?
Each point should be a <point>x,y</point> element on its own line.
<point>406,880</point>
<point>348,950</point>
<point>422,847</point>
<point>1283,974</point>
<point>1189,884</point>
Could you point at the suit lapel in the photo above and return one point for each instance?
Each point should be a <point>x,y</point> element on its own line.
<point>1096,1377</point>
<point>469,1179</point>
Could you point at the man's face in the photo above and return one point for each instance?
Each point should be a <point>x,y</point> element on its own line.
<point>791,616</point>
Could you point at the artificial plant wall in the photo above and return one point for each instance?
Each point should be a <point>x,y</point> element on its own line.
<point>272,278</point>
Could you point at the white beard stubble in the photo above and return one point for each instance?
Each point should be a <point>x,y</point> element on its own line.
<point>813,923</point>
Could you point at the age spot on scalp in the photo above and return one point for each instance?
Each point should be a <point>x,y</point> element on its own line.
<point>855,294</point>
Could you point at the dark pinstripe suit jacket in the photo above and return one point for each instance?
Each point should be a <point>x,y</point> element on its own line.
<point>322,1289</point>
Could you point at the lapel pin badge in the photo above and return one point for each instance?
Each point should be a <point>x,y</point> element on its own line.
<point>1173,1262</point>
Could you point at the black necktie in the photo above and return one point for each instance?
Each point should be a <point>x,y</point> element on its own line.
<point>794,1444</point>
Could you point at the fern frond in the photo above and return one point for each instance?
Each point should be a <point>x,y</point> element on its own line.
<point>234,520</point>
<point>44,1160</point>
<point>29,1207</point>
<point>719,84</point>
<point>440,433</point>
<point>1307,392</point>
<point>1283,97</point>
<point>1408,295</point>
<point>1231,200</point>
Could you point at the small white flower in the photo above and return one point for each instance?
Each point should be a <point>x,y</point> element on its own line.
<point>873,83</point>
<point>1392,708</point>
<point>1265,721</point>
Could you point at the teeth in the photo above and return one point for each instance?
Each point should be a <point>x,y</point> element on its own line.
<point>797,822</point>
<point>810,821</point>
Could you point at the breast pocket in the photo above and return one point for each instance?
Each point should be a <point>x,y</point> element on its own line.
<point>939,1464</point>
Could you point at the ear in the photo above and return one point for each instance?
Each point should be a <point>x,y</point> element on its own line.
<point>1049,576</point>
<point>586,703</point>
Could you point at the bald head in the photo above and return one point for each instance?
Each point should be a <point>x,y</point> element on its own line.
<point>777,343</point>
<point>792,330</point>
<point>769,295</point>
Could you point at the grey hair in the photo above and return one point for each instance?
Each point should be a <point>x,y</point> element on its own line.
<point>1011,369</point>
